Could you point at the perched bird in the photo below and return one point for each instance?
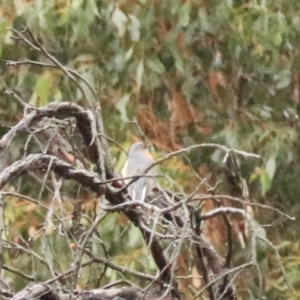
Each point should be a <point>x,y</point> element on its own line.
<point>139,159</point>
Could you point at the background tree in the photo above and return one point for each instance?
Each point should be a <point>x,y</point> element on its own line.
<point>179,73</point>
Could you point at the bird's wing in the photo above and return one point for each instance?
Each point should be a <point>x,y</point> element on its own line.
<point>139,189</point>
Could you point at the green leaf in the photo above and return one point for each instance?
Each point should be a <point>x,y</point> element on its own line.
<point>57,96</point>
<point>121,106</point>
<point>120,20</point>
<point>184,14</point>
<point>271,167</point>
<point>284,79</point>
<point>179,64</point>
<point>265,182</point>
<point>174,6</point>
<point>134,28</point>
<point>42,89</point>
<point>156,65</point>
<point>87,74</point>
<point>139,74</point>
<point>128,54</point>
<point>135,238</point>
<point>277,39</point>
<point>76,4</point>
<point>151,264</point>
<point>253,177</point>
<point>205,24</point>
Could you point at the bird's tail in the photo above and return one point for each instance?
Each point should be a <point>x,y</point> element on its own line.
<point>139,190</point>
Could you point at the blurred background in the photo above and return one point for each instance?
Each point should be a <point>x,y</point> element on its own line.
<point>178,73</point>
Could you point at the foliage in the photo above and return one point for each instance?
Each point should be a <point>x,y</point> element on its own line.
<point>186,72</point>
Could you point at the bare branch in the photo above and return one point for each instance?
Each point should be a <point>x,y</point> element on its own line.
<point>43,162</point>
<point>221,211</point>
<point>85,123</point>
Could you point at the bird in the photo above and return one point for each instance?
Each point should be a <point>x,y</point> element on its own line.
<point>139,159</point>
